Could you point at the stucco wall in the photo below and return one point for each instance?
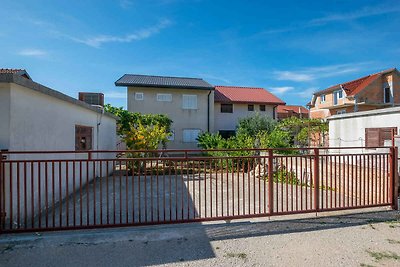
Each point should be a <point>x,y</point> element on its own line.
<point>41,122</point>
<point>349,129</point>
<point>229,121</point>
<point>4,115</point>
<point>182,118</point>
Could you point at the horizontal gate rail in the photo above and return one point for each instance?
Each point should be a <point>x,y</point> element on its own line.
<point>60,190</point>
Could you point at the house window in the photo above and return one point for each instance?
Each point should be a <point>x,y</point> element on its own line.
<point>226,108</point>
<point>190,135</point>
<point>189,101</point>
<point>83,137</point>
<point>337,95</point>
<point>226,133</point>
<point>250,107</point>
<point>375,137</point>
<point>387,95</point>
<point>322,98</point>
<point>262,107</point>
<point>171,137</point>
<point>139,96</point>
<point>343,111</point>
<point>164,97</point>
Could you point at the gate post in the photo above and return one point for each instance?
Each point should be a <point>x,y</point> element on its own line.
<point>394,177</point>
<point>2,213</point>
<point>316,179</point>
<point>271,181</point>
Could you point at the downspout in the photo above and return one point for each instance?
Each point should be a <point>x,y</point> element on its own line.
<point>273,112</point>
<point>208,111</point>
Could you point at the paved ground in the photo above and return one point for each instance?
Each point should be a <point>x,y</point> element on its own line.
<point>371,238</point>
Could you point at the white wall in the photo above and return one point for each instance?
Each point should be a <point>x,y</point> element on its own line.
<point>4,115</point>
<point>349,129</point>
<point>39,122</point>
<point>229,121</point>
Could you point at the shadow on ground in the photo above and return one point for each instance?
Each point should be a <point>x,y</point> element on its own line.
<point>163,244</point>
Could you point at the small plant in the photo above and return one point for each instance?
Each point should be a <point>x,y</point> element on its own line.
<point>242,256</point>
<point>383,255</point>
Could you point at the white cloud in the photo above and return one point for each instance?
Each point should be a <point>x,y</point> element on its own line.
<point>125,4</point>
<point>97,41</point>
<point>307,93</point>
<point>314,73</point>
<point>32,52</point>
<point>361,13</point>
<point>281,90</point>
<point>115,94</point>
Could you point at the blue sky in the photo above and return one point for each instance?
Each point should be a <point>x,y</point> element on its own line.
<point>291,48</point>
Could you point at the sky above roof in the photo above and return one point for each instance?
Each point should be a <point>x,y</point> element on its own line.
<point>292,48</point>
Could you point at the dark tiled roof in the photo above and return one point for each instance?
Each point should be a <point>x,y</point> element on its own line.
<point>20,72</point>
<point>231,94</point>
<point>163,81</point>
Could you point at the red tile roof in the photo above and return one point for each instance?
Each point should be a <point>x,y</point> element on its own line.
<point>236,94</point>
<point>294,109</point>
<point>355,86</point>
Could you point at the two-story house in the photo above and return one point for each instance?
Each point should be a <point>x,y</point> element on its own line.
<point>189,102</point>
<point>374,91</point>
<point>233,103</point>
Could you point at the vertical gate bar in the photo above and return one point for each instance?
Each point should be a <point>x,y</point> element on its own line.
<point>12,197</point>
<point>211,190</point>
<point>394,177</point>
<point>94,189</point>
<point>307,179</point>
<point>380,179</point>
<point>163,180</point>
<point>39,195</point>
<point>126,192</point>
<point>301,182</point>
<point>53,193</point>
<point>189,171</point>
<point>151,191</point>
<point>271,182</point>
<point>114,195</point>
<point>87,193</point>
<point>286,182</point>
<point>259,184</point>
<point>46,185</point>
<point>101,190</point>
<point>2,212</point>
<point>120,191</point>
<point>297,185</point>
<point>18,198</point>
<point>107,191</point>
<point>316,179</point>
<point>67,191</point>
<point>364,180</point>
<point>374,178</point>
<point>249,186</point>
<point>25,194</point>
<point>181,192</point>
<point>352,181</point>
<point>194,191</point>
<point>368,177</point>
<point>60,190</point>
<point>74,189</point>
<point>244,188</point>
<point>176,189</point>
<point>227,186</point>
<point>131,165</point>
<point>322,181</point>
<point>340,181</point>
<point>158,193</point>
<point>290,176</point>
<point>205,188</point>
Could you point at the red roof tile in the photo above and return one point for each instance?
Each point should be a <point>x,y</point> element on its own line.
<point>236,94</point>
<point>355,86</point>
<point>295,109</point>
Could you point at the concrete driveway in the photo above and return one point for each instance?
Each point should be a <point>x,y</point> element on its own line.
<point>370,238</point>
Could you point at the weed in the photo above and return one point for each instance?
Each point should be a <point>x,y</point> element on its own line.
<point>383,255</point>
<point>392,241</point>
<point>365,265</point>
<point>242,256</point>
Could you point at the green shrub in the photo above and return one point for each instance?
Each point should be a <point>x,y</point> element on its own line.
<point>254,124</point>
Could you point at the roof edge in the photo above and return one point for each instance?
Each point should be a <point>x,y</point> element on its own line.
<point>15,78</point>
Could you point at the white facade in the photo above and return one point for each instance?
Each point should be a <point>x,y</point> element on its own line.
<point>37,118</point>
<point>229,121</point>
<point>348,130</point>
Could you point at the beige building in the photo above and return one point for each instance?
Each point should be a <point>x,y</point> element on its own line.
<point>189,102</point>
<point>233,102</point>
<point>374,91</point>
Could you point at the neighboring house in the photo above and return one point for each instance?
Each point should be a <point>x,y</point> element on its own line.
<point>372,128</point>
<point>35,117</point>
<point>233,103</point>
<point>375,91</point>
<point>286,111</point>
<point>189,102</point>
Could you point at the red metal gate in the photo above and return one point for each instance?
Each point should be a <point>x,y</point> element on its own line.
<point>55,190</point>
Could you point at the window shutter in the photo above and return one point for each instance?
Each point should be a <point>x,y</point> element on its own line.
<point>372,137</point>
<point>386,134</point>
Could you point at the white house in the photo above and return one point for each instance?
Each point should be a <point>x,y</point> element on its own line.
<point>233,102</point>
<point>36,118</point>
<point>373,128</point>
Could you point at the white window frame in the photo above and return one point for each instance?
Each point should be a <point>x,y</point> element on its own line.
<point>186,101</point>
<point>164,97</point>
<point>384,94</point>
<point>323,98</point>
<point>339,112</point>
<point>194,133</point>
<point>338,96</point>
<point>139,96</point>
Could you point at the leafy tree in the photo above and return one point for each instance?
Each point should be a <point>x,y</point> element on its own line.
<point>252,125</point>
<point>145,137</point>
